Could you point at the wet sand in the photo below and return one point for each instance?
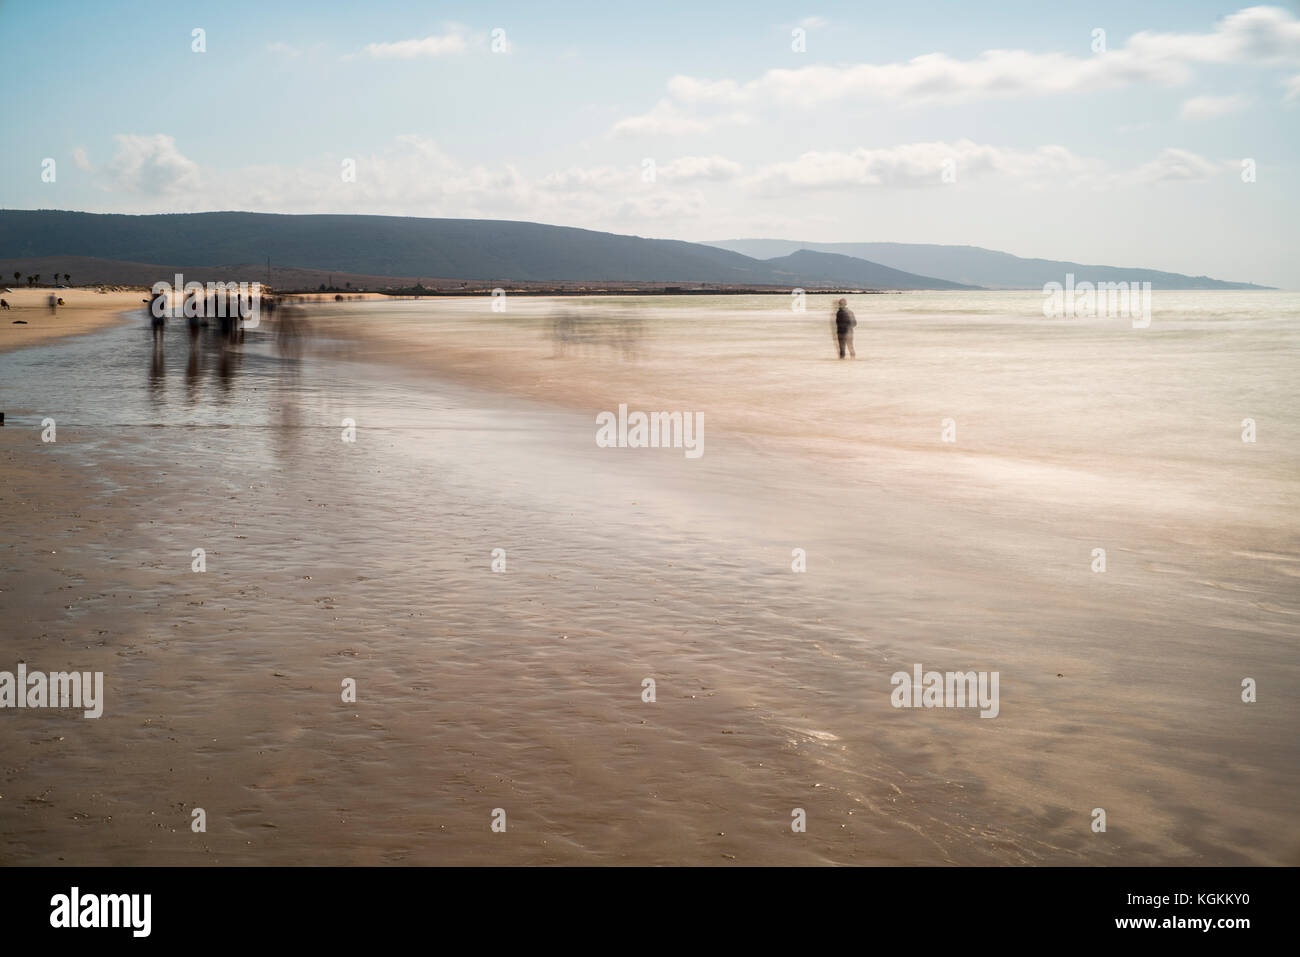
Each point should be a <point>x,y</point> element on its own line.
<point>521,689</point>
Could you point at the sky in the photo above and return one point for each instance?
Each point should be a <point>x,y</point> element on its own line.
<point>1159,134</point>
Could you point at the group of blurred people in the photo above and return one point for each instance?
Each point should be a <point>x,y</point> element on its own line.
<point>226,307</point>
<point>288,326</point>
<point>588,333</point>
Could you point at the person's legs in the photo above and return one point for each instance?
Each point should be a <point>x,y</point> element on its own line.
<point>849,337</point>
<point>840,337</point>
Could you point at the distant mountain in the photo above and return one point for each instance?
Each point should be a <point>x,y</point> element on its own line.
<point>851,271</point>
<point>461,249</point>
<point>981,267</point>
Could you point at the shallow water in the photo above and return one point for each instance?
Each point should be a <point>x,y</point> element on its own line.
<point>522,689</point>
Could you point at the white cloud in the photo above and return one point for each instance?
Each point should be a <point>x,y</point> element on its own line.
<point>152,165</point>
<point>812,23</point>
<point>413,176</point>
<point>80,158</point>
<point>628,179</point>
<point>692,168</point>
<point>1208,107</point>
<point>1175,166</point>
<point>1258,35</point>
<point>655,206</point>
<point>594,179</point>
<point>1268,35</point>
<point>452,42</point>
<point>917,165</point>
<point>666,118</point>
<point>415,173</point>
<point>282,49</point>
<point>920,164</point>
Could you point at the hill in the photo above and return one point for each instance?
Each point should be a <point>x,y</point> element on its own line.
<point>975,265</point>
<point>851,271</point>
<point>476,250</point>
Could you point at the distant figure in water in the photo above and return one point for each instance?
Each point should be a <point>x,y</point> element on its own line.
<point>196,309</point>
<point>844,322</point>
<point>157,316</point>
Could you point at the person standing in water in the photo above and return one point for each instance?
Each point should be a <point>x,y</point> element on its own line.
<point>844,322</point>
<point>157,316</point>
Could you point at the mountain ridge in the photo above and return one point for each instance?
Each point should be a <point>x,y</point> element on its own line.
<point>462,249</point>
<point>979,266</point>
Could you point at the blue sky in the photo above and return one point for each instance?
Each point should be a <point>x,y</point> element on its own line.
<point>992,124</point>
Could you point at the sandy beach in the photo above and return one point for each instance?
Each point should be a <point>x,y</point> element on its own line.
<point>522,689</point>
<point>30,321</point>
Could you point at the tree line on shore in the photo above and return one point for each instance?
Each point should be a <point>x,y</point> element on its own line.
<point>35,279</point>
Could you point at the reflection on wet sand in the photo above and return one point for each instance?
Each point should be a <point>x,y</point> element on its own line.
<point>192,382</point>
<point>220,344</point>
<point>157,370</point>
<point>292,333</point>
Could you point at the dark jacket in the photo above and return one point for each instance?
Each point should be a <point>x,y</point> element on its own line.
<point>844,319</point>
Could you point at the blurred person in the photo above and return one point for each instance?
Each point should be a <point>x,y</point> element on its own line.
<point>843,324</point>
<point>158,316</point>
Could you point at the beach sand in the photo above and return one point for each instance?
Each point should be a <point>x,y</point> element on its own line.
<point>29,320</point>
<point>522,689</point>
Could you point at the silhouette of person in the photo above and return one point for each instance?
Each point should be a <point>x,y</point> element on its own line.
<point>844,322</point>
<point>157,316</point>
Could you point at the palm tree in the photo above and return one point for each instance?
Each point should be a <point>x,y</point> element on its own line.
<point>31,280</point>
<point>18,277</point>
<point>67,277</point>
